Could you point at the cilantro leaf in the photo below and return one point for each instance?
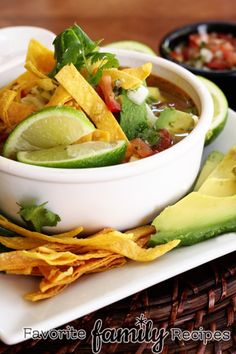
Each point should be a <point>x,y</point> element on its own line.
<point>107,61</point>
<point>150,135</point>
<point>73,46</point>
<point>133,117</point>
<point>37,216</point>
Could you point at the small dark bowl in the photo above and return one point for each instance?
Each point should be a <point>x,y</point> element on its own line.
<point>225,79</point>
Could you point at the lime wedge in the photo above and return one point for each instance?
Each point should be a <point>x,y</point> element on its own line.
<point>52,126</point>
<point>84,155</point>
<point>131,45</point>
<point>220,110</point>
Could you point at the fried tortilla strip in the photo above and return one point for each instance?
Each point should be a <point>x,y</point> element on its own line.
<point>55,281</point>
<point>25,81</point>
<point>71,233</point>
<point>19,111</point>
<point>59,97</point>
<point>114,241</point>
<point>141,231</point>
<point>141,72</point>
<point>46,84</point>
<point>127,81</point>
<point>58,277</point>
<point>39,59</point>
<point>96,135</point>
<point>88,99</point>
<point>115,263</point>
<point>18,260</point>
<point>61,257</point>
<point>37,235</point>
<point>6,100</point>
<point>20,243</point>
<point>125,246</point>
<point>38,295</point>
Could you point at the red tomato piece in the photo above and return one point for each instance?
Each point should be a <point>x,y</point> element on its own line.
<point>165,141</point>
<point>218,64</point>
<point>140,148</point>
<point>105,85</point>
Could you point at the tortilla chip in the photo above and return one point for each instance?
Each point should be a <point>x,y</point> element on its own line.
<point>96,135</point>
<point>71,233</point>
<point>46,84</point>
<point>56,280</point>
<point>122,244</point>
<point>126,80</point>
<point>20,243</point>
<point>51,257</point>
<point>141,231</point>
<point>39,59</point>
<point>88,99</point>
<point>60,97</point>
<point>18,260</point>
<point>37,235</point>
<point>6,100</point>
<point>69,275</point>
<point>141,72</point>
<point>38,295</point>
<point>19,111</point>
<point>114,241</point>
<point>61,259</point>
<point>24,80</point>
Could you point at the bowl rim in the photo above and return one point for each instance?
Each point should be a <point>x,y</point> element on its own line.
<point>190,28</point>
<point>126,170</point>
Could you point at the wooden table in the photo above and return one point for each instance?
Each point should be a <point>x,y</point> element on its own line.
<point>143,20</point>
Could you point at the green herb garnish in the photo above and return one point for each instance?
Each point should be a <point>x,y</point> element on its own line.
<point>150,136</point>
<point>73,46</point>
<point>37,216</point>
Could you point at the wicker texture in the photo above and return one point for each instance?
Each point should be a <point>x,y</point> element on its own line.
<point>204,296</point>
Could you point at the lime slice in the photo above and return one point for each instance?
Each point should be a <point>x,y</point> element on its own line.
<point>52,126</point>
<point>84,155</point>
<point>131,45</point>
<point>220,110</point>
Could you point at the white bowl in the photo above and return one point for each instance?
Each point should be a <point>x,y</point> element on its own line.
<point>121,196</point>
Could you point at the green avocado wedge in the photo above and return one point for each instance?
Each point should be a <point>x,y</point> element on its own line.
<point>205,213</point>
<point>212,161</point>
<point>195,218</point>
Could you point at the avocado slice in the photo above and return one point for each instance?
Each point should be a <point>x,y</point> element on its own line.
<point>212,161</point>
<point>195,218</point>
<point>175,121</point>
<point>226,166</point>
<point>154,95</point>
<point>219,187</point>
<point>221,182</point>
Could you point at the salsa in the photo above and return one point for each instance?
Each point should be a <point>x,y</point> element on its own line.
<point>210,51</point>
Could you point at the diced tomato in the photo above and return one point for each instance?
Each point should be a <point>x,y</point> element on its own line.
<point>139,148</point>
<point>230,58</point>
<point>217,64</point>
<point>194,41</point>
<point>23,93</point>
<point>165,141</point>
<point>105,84</point>
<point>176,56</point>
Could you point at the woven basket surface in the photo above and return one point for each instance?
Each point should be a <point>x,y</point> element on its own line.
<point>203,297</point>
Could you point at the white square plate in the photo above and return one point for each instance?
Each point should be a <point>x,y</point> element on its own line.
<point>95,291</point>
